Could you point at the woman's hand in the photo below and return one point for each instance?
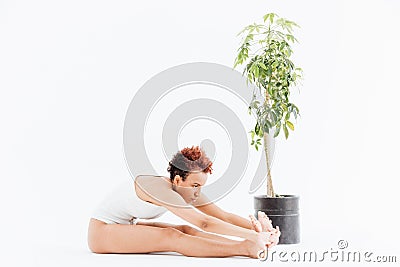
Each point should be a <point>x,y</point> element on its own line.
<point>264,237</point>
<point>264,224</point>
<point>274,238</point>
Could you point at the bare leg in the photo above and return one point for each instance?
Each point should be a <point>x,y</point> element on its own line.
<point>189,230</point>
<point>118,238</point>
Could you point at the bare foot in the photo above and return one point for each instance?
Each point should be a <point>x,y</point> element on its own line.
<point>265,225</point>
<point>255,223</point>
<point>265,222</point>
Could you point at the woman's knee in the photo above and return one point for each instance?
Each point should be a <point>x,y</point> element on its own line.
<point>187,229</point>
<point>172,232</point>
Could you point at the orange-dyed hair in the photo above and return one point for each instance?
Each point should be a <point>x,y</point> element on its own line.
<point>190,160</point>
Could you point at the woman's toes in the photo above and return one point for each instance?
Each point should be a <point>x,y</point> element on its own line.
<point>256,224</point>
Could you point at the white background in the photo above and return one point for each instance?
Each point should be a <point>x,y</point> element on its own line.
<point>69,69</point>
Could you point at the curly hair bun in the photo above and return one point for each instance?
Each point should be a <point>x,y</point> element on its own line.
<point>193,153</point>
<point>189,159</point>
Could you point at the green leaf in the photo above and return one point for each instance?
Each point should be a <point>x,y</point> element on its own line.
<point>292,23</point>
<point>290,125</point>
<point>274,117</point>
<point>277,130</point>
<point>249,37</point>
<point>268,124</point>
<point>297,109</point>
<point>287,116</point>
<point>256,71</point>
<point>267,16</point>
<point>286,131</point>
<point>249,76</point>
<point>271,17</point>
<point>251,28</point>
<point>263,65</point>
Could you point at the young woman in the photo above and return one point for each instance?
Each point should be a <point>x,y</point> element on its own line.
<point>114,226</point>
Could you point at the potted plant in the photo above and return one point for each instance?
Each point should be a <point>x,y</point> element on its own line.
<point>265,51</point>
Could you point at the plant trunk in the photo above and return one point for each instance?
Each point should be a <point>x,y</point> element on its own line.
<point>270,188</point>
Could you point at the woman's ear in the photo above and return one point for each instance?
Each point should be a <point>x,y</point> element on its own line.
<point>177,179</point>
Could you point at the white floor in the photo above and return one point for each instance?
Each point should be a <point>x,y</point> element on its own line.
<point>80,256</point>
<point>67,256</point>
<point>52,254</point>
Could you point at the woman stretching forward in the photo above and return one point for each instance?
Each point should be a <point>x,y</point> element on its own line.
<point>114,226</point>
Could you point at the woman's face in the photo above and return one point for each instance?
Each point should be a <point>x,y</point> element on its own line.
<point>191,187</point>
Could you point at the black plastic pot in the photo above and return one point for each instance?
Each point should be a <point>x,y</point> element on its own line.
<point>284,212</point>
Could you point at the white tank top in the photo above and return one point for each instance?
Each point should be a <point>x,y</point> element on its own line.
<point>123,206</point>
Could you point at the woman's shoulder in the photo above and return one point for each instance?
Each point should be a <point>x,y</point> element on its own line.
<point>157,190</point>
<point>153,180</point>
<point>152,188</point>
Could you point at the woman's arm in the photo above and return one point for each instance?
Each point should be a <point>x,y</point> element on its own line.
<point>206,206</point>
<point>215,225</point>
<point>209,208</point>
<point>161,195</point>
<point>238,220</point>
<point>206,222</point>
